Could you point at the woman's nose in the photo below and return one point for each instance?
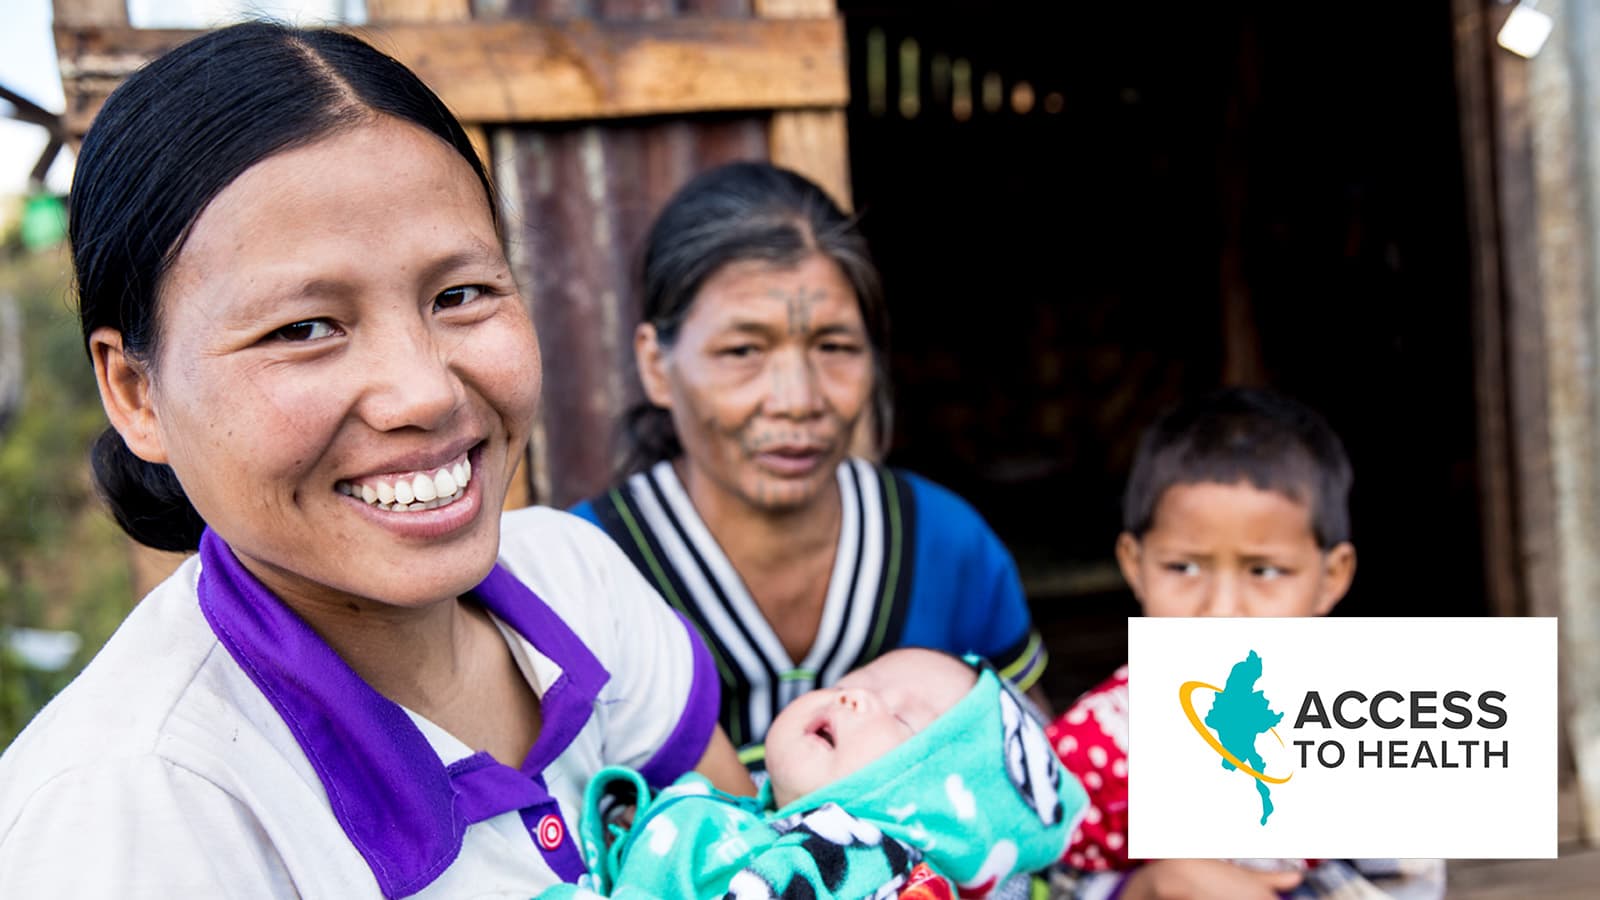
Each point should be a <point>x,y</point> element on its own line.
<point>794,390</point>
<point>411,384</point>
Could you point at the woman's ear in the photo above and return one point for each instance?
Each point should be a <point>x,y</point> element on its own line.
<point>125,393</point>
<point>651,358</point>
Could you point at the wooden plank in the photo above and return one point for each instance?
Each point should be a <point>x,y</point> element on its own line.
<point>1546,191</point>
<point>90,12</point>
<point>1564,124</point>
<point>794,9</point>
<point>570,254</point>
<point>1526,372</point>
<point>386,11</point>
<point>523,71</point>
<point>815,143</point>
<point>583,197</point>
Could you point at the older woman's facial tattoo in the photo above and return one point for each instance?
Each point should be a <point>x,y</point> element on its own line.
<point>800,303</point>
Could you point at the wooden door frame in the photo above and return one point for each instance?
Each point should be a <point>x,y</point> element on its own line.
<point>1532,230</point>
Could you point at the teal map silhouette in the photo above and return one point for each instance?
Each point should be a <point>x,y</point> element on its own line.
<point>1240,714</point>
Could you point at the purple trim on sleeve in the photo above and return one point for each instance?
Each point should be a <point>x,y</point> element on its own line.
<point>689,739</point>
<point>401,808</point>
<point>1122,883</point>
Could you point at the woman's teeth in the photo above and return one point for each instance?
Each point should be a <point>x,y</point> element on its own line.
<point>419,492</point>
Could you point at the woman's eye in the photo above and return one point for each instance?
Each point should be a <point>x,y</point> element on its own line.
<point>309,330</point>
<point>739,351</point>
<point>1268,572</point>
<point>457,296</point>
<point>840,347</point>
<point>1183,568</point>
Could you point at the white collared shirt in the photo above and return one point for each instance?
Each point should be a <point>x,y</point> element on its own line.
<point>165,769</point>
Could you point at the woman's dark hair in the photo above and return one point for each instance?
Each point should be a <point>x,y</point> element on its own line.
<point>167,141</point>
<point>1244,435</point>
<point>734,213</point>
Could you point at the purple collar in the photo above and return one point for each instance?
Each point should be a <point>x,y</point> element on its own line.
<point>403,809</point>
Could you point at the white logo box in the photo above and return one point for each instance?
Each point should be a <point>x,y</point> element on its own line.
<point>1393,800</point>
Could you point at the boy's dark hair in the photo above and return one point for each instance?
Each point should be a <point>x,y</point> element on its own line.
<point>1244,435</point>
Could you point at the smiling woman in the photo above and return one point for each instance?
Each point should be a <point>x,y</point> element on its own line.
<point>347,305</point>
<point>320,374</point>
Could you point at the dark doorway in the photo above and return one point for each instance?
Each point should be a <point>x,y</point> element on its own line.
<point>1084,212</point>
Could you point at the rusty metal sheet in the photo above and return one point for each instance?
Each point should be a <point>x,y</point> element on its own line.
<point>582,200</point>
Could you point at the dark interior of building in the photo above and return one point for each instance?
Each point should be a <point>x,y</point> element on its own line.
<point>1084,212</point>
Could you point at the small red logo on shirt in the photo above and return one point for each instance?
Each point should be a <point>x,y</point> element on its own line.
<point>551,832</point>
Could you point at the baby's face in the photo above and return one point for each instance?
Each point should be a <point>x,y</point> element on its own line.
<point>1233,550</point>
<point>830,733</point>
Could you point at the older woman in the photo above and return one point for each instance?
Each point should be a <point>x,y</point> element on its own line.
<point>319,373</point>
<point>762,348</point>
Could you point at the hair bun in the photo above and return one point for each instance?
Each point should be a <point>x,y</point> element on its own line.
<point>145,498</point>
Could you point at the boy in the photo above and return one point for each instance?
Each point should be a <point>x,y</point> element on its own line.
<point>914,773</point>
<point>1237,505</point>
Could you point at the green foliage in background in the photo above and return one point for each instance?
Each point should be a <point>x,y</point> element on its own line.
<point>63,562</point>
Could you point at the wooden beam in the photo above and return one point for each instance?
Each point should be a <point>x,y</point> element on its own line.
<point>91,12</point>
<point>813,142</point>
<point>386,11</point>
<point>1564,124</point>
<point>522,71</point>
<point>794,9</point>
<point>1544,132</point>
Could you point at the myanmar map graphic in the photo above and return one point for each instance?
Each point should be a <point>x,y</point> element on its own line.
<point>1240,714</point>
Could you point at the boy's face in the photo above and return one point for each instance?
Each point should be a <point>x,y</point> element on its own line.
<point>829,733</point>
<point>1233,550</point>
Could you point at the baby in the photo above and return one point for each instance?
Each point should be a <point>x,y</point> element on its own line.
<point>913,774</point>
